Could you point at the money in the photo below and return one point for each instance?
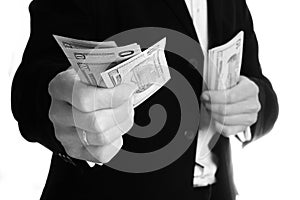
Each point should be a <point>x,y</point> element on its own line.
<point>90,58</point>
<point>104,64</point>
<point>104,55</point>
<point>224,64</point>
<point>70,43</point>
<point>148,71</point>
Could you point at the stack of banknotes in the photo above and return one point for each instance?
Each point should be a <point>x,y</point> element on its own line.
<point>224,64</point>
<point>104,64</point>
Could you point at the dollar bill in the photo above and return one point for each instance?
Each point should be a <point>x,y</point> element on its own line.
<point>104,55</point>
<point>90,58</point>
<point>96,62</point>
<point>70,43</point>
<point>225,64</point>
<point>148,71</point>
<point>90,72</point>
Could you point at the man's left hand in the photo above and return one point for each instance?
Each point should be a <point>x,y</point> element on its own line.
<point>235,109</point>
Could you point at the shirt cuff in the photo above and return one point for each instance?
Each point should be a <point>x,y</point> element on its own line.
<point>92,164</point>
<point>245,135</point>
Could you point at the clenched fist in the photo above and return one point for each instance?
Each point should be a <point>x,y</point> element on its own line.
<point>235,109</point>
<point>90,121</point>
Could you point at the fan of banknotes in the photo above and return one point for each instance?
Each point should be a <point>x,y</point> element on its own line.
<point>104,64</point>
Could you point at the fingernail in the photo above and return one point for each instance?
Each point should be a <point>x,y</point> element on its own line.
<point>205,97</point>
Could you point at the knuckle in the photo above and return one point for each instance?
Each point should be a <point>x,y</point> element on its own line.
<point>255,106</point>
<point>50,88</point>
<point>103,139</point>
<point>252,108</point>
<point>53,114</point>
<point>258,105</point>
<point>53,86</point>
<point>97,123</point>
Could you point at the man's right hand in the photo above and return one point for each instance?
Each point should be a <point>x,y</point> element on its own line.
<point>102,115</point>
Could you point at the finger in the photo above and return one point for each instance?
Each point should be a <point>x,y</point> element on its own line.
<point>70,140</point>
<point>104,154</point>
<point>72,144</point>
<point>67,86</point>
<point>65,134</point>
<point>61,86</point>
<point>88,99</point>
<point>243,90</point>
<point>228,130</point>
<point>107,137</point>
<point>103,120</point>
<point>61,112</point>
<point>235,120</point>
<point>98,121</point>
<point>244,107</point>
<point>74,148</point>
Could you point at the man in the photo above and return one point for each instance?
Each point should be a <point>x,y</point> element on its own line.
<point>48,118</point>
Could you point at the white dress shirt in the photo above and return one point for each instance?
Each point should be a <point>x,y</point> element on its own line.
<point>205,169</point>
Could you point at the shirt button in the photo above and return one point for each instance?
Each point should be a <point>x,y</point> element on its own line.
<point>189,135</point>
<point>198,10</point>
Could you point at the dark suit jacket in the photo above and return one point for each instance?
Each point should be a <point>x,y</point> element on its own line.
<point>98,20</point>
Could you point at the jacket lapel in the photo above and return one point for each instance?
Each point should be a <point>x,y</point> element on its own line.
<point>182,14</point>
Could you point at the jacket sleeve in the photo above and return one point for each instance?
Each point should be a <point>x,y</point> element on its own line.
<point>42,61</point>
<point>252,69</point>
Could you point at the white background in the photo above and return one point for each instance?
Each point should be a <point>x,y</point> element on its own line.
<point>266,169</point>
